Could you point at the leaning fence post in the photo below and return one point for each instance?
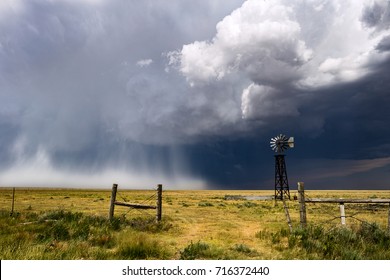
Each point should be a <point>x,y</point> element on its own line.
<point>302,208</point>
<point>342,213</point>
<point>112,202</point>
<point>159,203</point>
<point>388,221</point>
<point>13,202</point>
<point>287,215</point>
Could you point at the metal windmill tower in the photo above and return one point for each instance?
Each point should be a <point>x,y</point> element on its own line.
<point>279,144</point>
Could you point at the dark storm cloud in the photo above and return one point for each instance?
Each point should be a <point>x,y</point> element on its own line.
<point>189,92</point>
<point>384,45</point>
<point>325,82</point>
<point>377,14</point>
<point>84,86</point>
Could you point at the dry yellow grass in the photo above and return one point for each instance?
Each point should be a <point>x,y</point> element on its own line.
<point>204,216</point>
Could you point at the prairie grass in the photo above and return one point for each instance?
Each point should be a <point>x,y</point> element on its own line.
<point>367,241</point>
<point>72,224</point>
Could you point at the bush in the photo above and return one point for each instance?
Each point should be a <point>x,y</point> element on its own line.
<point>242,248</point>
<point>202,250</point>
<point>194,251</point>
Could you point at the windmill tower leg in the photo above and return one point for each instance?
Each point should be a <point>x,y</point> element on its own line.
<point>282,190</point>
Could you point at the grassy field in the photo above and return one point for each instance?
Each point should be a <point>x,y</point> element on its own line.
<point>72,224</point>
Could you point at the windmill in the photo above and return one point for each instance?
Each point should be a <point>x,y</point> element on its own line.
<point>279,144</point>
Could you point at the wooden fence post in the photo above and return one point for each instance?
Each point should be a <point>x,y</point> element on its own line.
<point>112,202</point>
<point>388,220</point>
<point>302,208</point>
<point>342,214</point>
<point>13,202</point>
<point>159,203</point>
<point>287,215</point>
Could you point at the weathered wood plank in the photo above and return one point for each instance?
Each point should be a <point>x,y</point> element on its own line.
<point>135,205</point>
<point>346,200</point>
<point>388,220</point>
<point>13,202</point>
<point>112,201</point>
<point>287,215</point>
<point>302,200</point>
<point>342,214</point>
<point>159,203</point>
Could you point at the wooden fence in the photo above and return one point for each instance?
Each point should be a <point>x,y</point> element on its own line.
<point>158,205</point>
<point>340,201</point>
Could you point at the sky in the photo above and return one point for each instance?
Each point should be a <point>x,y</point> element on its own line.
<point>189,93</point>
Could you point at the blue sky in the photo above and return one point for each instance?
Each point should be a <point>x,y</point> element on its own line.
<point>189,93</point>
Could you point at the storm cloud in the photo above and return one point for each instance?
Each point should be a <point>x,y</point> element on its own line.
<point>188,93</point>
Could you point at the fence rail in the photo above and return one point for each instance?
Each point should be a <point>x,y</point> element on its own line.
<point>343,200</point>
<point>158,205</point>
<point>340,201</point>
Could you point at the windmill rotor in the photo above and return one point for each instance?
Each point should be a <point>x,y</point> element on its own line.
<point>281,143</point>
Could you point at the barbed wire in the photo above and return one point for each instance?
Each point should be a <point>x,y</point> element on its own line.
<point>149,198</point>
<point>130,210</point>
<point>122,197</point>
<point>367,207</point>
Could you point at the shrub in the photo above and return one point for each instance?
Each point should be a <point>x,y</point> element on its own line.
<point>242,248</point>
<point>202,250</point>
<point>194,251</point>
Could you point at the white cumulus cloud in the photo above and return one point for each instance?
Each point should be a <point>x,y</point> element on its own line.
<point>284,46</point>
<point>261,39</point>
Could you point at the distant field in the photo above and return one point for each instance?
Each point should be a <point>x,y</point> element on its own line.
<point>196,224</point>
